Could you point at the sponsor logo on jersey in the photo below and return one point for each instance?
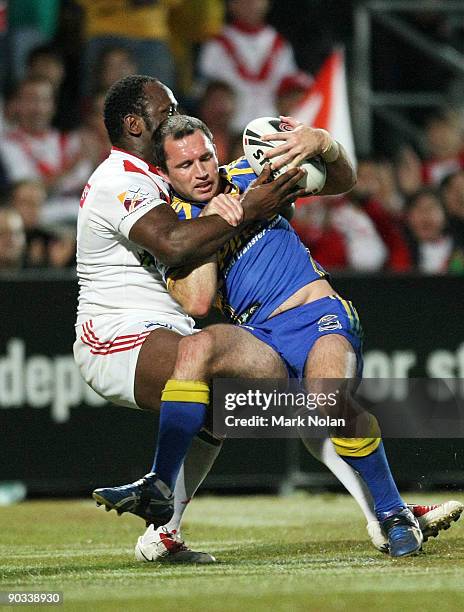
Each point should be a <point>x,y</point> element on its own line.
<point>247,314</point>
<point>328,323</point>
<point>84,195</point>
<point>134,197</point>
<point>157,324</point>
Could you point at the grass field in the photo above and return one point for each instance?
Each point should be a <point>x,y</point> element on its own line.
<point>302,552</point>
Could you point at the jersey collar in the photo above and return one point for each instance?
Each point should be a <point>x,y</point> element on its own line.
<point>149,166</point>
<point>177,198</point>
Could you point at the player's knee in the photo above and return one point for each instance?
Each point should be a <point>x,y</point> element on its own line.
<point>199,347</point>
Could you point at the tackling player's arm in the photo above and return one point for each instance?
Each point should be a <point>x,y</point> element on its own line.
<point>303,142</point>
<point>176,243</point>
<point>195,288</point>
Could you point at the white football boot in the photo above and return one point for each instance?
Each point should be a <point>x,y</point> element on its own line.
<point>432,519</point>
<point>435,518</point>
<point>161,545</point>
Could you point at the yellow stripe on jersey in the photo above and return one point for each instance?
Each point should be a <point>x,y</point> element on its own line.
<point>236,171</point>
<point>348,312</point>
<point>177,204</point>
<point>315,266</point>
<point>187,210</point>
<point>357,323</point>
<point>232,170</point>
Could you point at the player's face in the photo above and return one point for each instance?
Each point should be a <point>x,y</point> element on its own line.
<point>160,105</point>
<point>192,166</point>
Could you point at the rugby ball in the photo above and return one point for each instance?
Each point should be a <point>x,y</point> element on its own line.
<point>254,149</point>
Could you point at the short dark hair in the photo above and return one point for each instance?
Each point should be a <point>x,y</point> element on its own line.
<point>177,126</point>
<point>126,96</point>
<point>44,50</point>
<point>411,201</point>
<point>448,179</point>
<point>218,85</point>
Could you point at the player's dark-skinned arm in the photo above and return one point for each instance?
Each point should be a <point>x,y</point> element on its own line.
<point>303,142</point>
<point>177,242</point>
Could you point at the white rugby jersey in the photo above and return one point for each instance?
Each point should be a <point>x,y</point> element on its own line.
<point>253,63</point>
<point>47,155</point>
<point>116,276</point>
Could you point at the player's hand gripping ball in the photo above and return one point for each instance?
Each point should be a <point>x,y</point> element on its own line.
<point>254,148</point>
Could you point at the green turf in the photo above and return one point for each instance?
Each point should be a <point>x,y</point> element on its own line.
<point>302,552</point>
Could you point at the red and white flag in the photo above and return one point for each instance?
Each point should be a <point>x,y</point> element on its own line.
<point>326,103</point>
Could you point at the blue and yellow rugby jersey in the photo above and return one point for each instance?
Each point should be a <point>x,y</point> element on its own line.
<point>261,267</point>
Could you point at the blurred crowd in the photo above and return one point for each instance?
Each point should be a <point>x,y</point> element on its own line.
<point>228,61</point>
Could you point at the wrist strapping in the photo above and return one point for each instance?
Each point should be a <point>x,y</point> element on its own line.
<point>331,151</point>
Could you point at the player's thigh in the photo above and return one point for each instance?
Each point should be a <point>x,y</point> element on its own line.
<point>226,350</point>
<point>155,365</point>
<point>332,356</point>
<point>242,354</point>
<point>331,360</point>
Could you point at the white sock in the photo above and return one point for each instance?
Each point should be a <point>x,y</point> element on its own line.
<point>324,451</point>
<point>197,464</point>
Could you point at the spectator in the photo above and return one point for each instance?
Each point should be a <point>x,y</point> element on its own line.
<point>408,168</point>
<point>452,193</point>
<point>348,232</point>
<point>45,62</point>
<point>44,248</point>
<point>139,26</point>
<point>375,193</point>
<point>433,249</point>
<point>216,108</point>
<point>444,146</point>
<point>35,150</point>
<point>252,57</point>
<point>313,223</point>
<point>291,91</point>
<point>340,234</point>
<point>12,240</point>
<point>388,192</point>
<point>113,63</point>
<point>365,249</point>
<point>28,198</point>
<point>93,131</point>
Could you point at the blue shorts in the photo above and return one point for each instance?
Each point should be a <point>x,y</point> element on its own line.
<point>293,333</point>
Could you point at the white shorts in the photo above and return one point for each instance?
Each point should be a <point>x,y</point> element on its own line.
<point>107,348</point>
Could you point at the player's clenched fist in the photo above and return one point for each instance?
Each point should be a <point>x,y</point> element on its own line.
<point>265,197</point>
<point>226,206</point>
